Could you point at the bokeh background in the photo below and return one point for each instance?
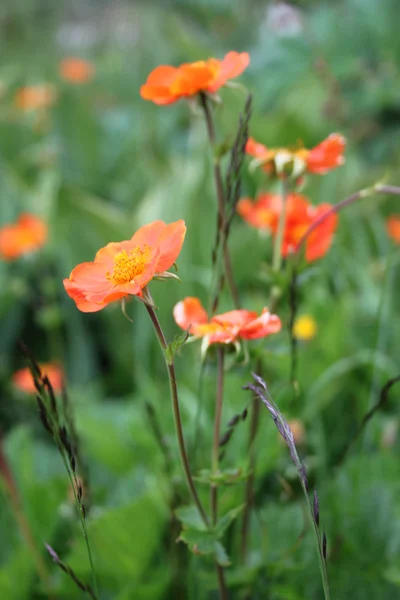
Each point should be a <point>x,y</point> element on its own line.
<point>99,163</point>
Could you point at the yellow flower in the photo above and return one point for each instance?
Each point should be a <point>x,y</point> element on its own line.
<point>304,328</point>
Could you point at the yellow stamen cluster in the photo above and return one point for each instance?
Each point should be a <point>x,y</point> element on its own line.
<point>128,265</point>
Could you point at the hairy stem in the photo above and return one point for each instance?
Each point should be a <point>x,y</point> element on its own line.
<point>221,221</point>
<point>377,188</point>
<point>249,492</point>
<point>176,412</point>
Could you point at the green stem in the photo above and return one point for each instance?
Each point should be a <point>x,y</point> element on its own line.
<point>277,250</point>
<point>176,412</point>
<point>221,202</point>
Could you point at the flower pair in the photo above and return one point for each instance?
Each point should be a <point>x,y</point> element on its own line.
<point>300,214</point>
<point>227,328</point>
<point>283,161</point>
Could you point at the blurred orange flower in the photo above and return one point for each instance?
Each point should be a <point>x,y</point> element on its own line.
<point>319,160</point>
<point>264,213</point>
<point>76,70</point>
<point>23,379</point>
<point>226,328</point>
<point>29,233</point>
<point>393,228</point>
<point>35,97</point>
<point>168,84</point>
<point>125,268</point>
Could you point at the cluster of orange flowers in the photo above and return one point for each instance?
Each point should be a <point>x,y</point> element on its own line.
<point>44,95</point>
<point>125,268</point>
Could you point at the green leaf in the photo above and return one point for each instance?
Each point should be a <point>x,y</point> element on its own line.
<point>224,522</point>
<point>190,518</point>
<point>205,542</point>
<point>174,346</point>
<point>225,477</point>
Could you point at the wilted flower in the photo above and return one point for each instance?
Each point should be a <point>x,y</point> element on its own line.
<point>319,160</point>
<point>125,268</point>
<point>304,328</point>
<point>29,233</point>
<point>300,214</point>
<point>227,328</point>
<point>24,381</point>
<point>35,97</point>
<point>393,228</point>
<point>76,70</point>
<point>167,84</point>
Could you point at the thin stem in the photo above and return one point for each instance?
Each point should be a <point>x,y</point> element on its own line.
<point>249,492</point>
<point>221,200</point>
<point>217,430</point>
<point>377,188</point>
<point>215,458</point>
<point>176,412</point>
<point>277,250</point>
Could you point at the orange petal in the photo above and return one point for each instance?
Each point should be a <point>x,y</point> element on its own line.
<point>327,155</point>
<point>170,244</point>
<point>231,67</point>
<point>235,318</point>
<point>148,235</point>
<point>24,381</point>
<point>79,298</point>
<point>76,70</point>
<point>262,326</point>
<point>189,312</point>
<point>393,228</point>
<point>158,84</point>
<point>255,148</point>
<point>27,234</point>
<point>320,240</point>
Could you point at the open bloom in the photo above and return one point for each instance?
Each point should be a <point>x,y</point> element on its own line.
<point>319,160</point>
<point>35,97</point>
<point>167,84</point>
<point>227,328</point>
<point>76,70</point>
<point>300,214</point>
<point>24,381</point>
<point>29,233</point>
<point>125,268</point>
<point>304,328</point>
<point>393,228</point>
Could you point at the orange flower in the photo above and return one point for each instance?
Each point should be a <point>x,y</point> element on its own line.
<point>227,328</point>
<point>125,268</point>
<point>319,160</point>
<point>264,213</point>
<point>393,228</point>
<point>29,233</point>
<point>24,381</point>
<point>34,97</point>
<point>167,84</point>
<point>76,70</point>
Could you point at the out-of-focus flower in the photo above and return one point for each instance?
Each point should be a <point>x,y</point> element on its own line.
<point>298,430</point>
<point>300,214</point>
<point>393,228</point>
<point>305,328</point>
<point>167,84</point>
<point>35,97</point>
<point>23,379</point>
<point>76,70</point>
<point>285,161</point>
<point>227,328</point>
<point>29,233</point>
<point>125,268</point>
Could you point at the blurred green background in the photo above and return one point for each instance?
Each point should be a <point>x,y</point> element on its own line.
<point>100,163</point>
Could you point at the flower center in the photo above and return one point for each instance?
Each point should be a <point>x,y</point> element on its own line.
<point>128,265</point>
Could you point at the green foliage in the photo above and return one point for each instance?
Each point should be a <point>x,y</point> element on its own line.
<point>100,163</point>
